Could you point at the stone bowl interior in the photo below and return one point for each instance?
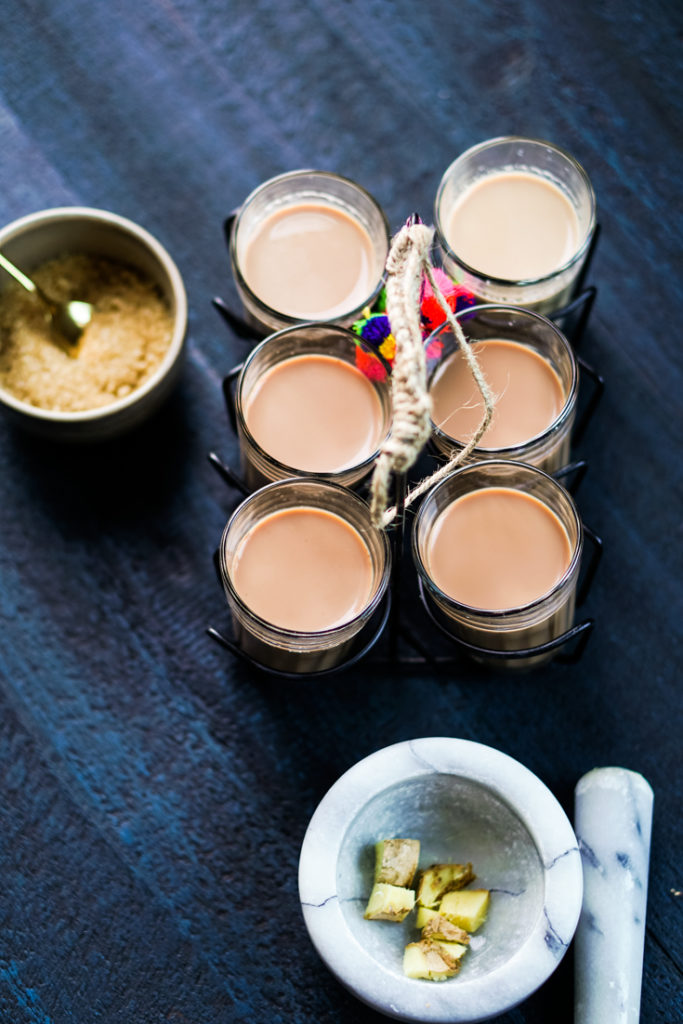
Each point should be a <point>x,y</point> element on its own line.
<point>464,802</point>
<point>456,819</point>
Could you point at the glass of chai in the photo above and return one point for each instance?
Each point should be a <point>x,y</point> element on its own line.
<point>305,573</point>
<point>531,369</point>
<point>514,220</point>
<point>497,547</point>
<point>308,245</point>
<point>311,401</point>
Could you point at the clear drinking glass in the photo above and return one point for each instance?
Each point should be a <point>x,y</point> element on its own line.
<point>550,449</point>
<point>258,466</point>
<point>512,153</point>
<point>289,190</point>
<point>287,650</point>
<point>513,629</point>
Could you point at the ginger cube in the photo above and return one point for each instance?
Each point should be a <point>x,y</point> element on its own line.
<point>389,902</point>
<point>467,908</point>
<point>424,914</point>
<point>439,927</point>
<point>427,960</point>
<point>439,879</point>
<point>456,950</point>
<point>396,861</point>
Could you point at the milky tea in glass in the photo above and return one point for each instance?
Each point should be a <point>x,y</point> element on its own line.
<point>497,547</point>
<point>514,221</point>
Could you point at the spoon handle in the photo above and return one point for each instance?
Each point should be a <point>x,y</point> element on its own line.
<point>613,823</point>
<point>23,280</point>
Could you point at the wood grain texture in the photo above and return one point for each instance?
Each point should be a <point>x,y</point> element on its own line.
<point>155,793</point>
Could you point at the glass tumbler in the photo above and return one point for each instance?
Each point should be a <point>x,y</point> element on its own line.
<point>259,466</point>
<point>299,652</point>
<point>513,629</point>
<point>552,165</point>
<point>548,450</point>
<point>290,191</point>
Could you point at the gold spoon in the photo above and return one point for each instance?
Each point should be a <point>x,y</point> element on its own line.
<point>69,319</point>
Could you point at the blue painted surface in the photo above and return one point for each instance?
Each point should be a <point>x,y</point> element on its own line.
<point>154,793</point>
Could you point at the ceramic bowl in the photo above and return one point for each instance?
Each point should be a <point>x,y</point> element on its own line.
<point>465,802</point>
<point>44,235</point>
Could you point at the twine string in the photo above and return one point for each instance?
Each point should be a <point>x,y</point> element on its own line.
<point>408,260</point>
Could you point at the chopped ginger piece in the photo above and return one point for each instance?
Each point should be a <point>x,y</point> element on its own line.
<point>424,914</point>
<point>389,902</point>
<point>467,908</point>
<point>439,879</point>
<point>396,861</point>
<point>428,960</point>
<point>455,950</point>
<point>446,911</point>
<point>439,927</point>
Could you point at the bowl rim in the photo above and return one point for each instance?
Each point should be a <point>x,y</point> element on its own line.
<point>538,810</point>
<point>96,215</point>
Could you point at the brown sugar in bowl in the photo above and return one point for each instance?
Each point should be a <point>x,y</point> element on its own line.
<point>126,380</point>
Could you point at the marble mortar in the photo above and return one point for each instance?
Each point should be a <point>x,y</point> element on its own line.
<point>465,802</point>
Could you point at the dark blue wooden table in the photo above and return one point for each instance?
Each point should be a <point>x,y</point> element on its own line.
<point>154,792</point>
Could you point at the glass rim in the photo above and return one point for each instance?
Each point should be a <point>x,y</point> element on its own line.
<point>331,631</point>
<point>497,614</point>
<point>293,471</point>
<point>287,318</point>
<point>572,395</point>
<point>504,281</point>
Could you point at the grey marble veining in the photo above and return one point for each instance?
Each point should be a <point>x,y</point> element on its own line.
<point>613,822</point>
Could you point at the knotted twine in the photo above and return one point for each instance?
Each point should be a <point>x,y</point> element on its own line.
<point>409,258</point>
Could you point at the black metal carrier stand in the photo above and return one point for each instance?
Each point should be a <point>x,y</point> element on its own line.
<point>389,623</point>
<point>389,620</point>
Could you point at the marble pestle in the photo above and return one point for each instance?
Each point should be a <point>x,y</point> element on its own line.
<point>613,824</point>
